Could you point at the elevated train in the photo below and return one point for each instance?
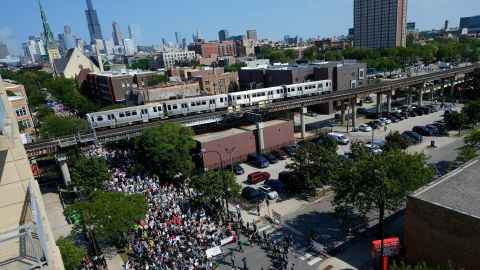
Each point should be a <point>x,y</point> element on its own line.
<point>181,107</point>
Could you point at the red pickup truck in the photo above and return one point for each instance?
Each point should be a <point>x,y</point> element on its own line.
<point>256,177</point>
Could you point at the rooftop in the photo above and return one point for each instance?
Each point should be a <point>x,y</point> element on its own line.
<point>459,190</point>
<point>208,137</point>
<point>113,73</point>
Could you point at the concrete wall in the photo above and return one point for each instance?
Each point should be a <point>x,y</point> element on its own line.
<point>436,234</point>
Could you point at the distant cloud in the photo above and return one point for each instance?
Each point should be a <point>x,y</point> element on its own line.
<point>6,35</point>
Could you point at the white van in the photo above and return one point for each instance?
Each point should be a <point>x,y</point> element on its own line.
<point>339,138</point>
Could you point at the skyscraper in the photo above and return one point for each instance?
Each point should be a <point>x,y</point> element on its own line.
<point>3,50</point>
<point>252,34</point>
<point>178,38</point>
<point>93,24</point>
<point>380,23</point>
<point>184,43</point>
<point>135,34</point>
<point>47,33</point>
<point>68,39</point>
<point>117,33</point>
<point>223,35</point>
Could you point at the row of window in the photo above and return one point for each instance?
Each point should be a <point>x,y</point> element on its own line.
<point>25,123</point>
<point>21,111</point>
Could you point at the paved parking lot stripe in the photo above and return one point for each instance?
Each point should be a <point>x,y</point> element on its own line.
<point>306,256</point>
<point>264,228</point>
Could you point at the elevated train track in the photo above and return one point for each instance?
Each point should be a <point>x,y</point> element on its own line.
<point>48,146</point>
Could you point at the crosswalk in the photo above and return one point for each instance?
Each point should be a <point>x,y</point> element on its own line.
<point>304,254</point>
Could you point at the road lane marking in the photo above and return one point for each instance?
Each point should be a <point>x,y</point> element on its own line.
<point>314,261</point>
<point>306,256</point>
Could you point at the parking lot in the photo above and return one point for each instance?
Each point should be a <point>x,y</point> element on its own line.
<point>364,137</point>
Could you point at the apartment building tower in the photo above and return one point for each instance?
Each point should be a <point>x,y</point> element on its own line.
<point>380,23</point>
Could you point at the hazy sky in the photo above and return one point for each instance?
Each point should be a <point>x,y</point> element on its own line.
<point>161,18</point>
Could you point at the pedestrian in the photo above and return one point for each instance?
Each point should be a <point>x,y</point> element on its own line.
<point>232,258</point>
<point>293,267</point>
<point>240,246</point>
<point>245,263</point>
<point>264,236</point>
<point>258,209</point>
<point>238,209</point>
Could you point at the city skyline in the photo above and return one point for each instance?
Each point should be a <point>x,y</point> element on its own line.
<point>14,29</point>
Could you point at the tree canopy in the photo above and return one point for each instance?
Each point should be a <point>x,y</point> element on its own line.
<point>90,173</point>
<point>312,167</point>
<point>72,255</point>
<point>111,215</point>
<point>210,185</point>
<point>472,111</point>
<point>278,57</point>
<point>395,140</point>
<point>156,79</point>
<point>166,149</point>
<point>455,121</point>
<point>311,53</point>
<point>56,126</point>
<point>142,64</point>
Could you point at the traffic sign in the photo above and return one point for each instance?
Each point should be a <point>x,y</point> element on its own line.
<point>254,117</point>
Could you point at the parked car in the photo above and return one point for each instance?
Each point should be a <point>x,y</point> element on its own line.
<point>372,115</point>
<point>386,120</point>
<point>398,115</point>
<point>392,118</point>
<point>289,150</point>
<point>257,177</point>
<point>271,158</point>
<point>425,109</point>
<point>424,131</point>
<point>365,128</point>
<point>280,154</point>
<point>441,127</point>
<point>413,136</point>
<point>277,185</point>
<point>237,169</point>
<point>252,195</point>
<point>379,143</point>
<point>439,121</point>
<point>433,128</point>
<point>379,122</point>
<point>405,115</point>
<point>412,113</point>
<point>374,149</point>
<point>433,108</point>
<point>311,114</point>
<point>339,138</point>
<point>362,111</point>
<point>258,160</point>
<point>268,191</point>
<point>283,176</point>
<point>418,111</point>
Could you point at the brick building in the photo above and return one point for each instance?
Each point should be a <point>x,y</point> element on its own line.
<point>328,43</point>
<point>19,101</point>
<point>218,83</point>
<point>112,87</point>
<point>276,133</point>
<point>442,220</point>
<point>214,49</point>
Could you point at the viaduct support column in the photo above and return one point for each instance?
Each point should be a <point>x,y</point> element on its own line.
<point>342,113</point>
<point>452,87</point>
<point>379,103</point>
<point>261,142</point>
<point>303,111</point>
<point>409,96</point>
<point>62,161</point>
<point>389,101</point>
<point>353,104</point>
<point>420,96</point>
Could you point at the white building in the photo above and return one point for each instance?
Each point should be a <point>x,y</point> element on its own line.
<point>170,59</point>
<point>129,46</point>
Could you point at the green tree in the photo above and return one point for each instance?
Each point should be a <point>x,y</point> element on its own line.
<point>455,120</point>
<point>233,86</point>
<point>142,64</point>
<point>43,111</point>
<point>292,54</point>
<point>380,182</point>
<point>420,266</point>
<point>311,53</point>
<point>265,51</point>
<point>210,185</point>
<point>278,57</point>
<point>395,140</point>
<point>473,139</point>
<point>156,79</point>
<point>474,83</point>
<point>90,173</point>
<point>467,153</point>
<point>312,167</point>
<point>166,149</point>
<point>472,111</point>
<point>56,126</point>
<point>72,255</point>
<point>111,215</point>
<point>235,67</point>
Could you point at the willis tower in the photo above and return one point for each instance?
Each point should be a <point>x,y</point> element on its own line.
<point>93,24</point>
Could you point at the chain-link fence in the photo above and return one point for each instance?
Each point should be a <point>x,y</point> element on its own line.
<point>23,247</point>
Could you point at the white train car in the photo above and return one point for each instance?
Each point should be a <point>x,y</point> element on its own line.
<point>196,105</point>
<point>252,97</point>
<point>307,89</point>
<point>125,116</point>
<point>324,86</point>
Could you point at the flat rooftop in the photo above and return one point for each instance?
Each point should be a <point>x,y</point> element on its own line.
<point>213,136</point>
<point>459,190</point>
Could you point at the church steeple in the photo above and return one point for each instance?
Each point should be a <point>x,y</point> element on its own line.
<point>47,33</point>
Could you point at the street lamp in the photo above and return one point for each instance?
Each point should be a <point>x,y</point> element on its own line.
<point>230,152</point>
<point>223,176</point>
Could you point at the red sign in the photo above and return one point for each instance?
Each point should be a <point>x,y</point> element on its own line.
<point>390,246</point>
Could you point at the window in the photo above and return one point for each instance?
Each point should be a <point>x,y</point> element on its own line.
<point>121,115</point>
<point>184,105</point>
<point>175,106</point>
<point>320,85</point>
<point>361,74</point>
<point>221,99</point>
<point>239,97</point>
<point>159,108</point>
<point>204,102</point>
<point>193,104</point>
<point>169,107</point>
<point>21,111</point>
<point>155,109</point>
<point>134,113</point>
<point>99,118</point>
<point>353,84</point>
<point>25,123</point>
<point>128,113</point>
